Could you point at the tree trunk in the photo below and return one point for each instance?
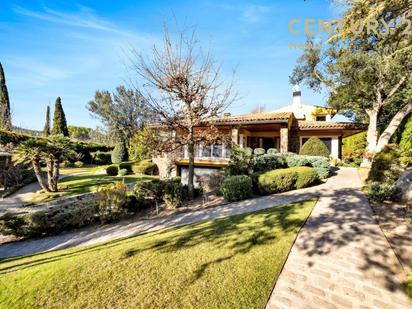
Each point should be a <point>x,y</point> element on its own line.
<point>190,183</point>
<point>56,170</point>
<point>50,174</point>
<point>372,134</point>
<point>393,125</point>
<point>37,172</point>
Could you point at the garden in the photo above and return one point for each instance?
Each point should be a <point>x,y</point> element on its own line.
<point>197,265</point>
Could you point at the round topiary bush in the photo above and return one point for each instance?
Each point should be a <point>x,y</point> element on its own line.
<point>112,170</point>
<point>314,147</point>
<point>126,166</point>
<point>272,151</point>
<point>122,172</point>
<point>259,151</point>
<point>119,153</point>
<point>78,164</point>
<point>386,165</point>
<point>267,162</point>
<point>306,176</point>
<point>236,188</point>
<point>146,167</point>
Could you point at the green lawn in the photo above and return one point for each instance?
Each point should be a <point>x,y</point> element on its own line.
<point>83,183</point>
<point>226,263</point>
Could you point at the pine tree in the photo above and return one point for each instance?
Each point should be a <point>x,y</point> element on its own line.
<point>5,114</point>
<point>46,129</point>
<point>59,119</point>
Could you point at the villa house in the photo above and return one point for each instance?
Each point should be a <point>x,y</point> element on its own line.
<point>285,129</point>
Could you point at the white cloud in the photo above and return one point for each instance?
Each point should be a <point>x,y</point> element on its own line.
<point>253,14</point>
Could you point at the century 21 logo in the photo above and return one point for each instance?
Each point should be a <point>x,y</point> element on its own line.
<point>311,26</point>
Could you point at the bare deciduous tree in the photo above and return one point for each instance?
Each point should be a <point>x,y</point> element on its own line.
<point>183,88</point>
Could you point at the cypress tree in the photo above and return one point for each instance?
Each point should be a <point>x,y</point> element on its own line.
<point>5,114</point>
<point>59,119</point>
<point>46,129</point>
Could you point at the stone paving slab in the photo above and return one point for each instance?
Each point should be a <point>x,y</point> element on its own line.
<point>341,259</point>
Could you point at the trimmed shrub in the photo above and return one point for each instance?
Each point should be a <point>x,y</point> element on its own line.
<point>111,200</point>
<point>49,222</point>
<point>236,188</point>
<point>406,158</point>
<point>267,162</point>
<point>119,153</point>
<point>78,164</point>
<point>314,147</point>
<point>259,151</point>
<point>306,176</point>
<point>386,165</point>
<point>146,167</point>
<point>239,162</point>
<point>353,148</point>
<point>277,180</point>
<point>65,163</point>
<point>272,151</point>
<point>213,182</point>
<point>286,179</point>
<point>112,170</point>
<point>127,166</point>
<point>380,192</point>
<point>255,182</point>
<point>122,172</point>
<point>173,194</point>
<point>101,158</point>
<point>320,164</point>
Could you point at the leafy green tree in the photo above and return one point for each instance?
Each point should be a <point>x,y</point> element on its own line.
<point>59,119</point>
<point>143,144</point>
<point>80,133</point>
<point>5,113</point>
<point>366,73</point>
<point>314,147</point>
<point>46,130</point>
<point>122,112</point>
<point>406,139</point>
<point>32,151</point>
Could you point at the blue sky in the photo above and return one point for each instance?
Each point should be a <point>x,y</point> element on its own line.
<point>71,49</point>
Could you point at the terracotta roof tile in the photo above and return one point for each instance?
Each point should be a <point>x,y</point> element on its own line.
<point>266,116</point>
<point>331,125</point>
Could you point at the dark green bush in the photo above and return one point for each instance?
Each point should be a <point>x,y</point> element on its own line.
<point>236,188</point>
<point>119,153</point>
<point>306,176</point>
<point>314,147</point>
<point>239,162</point>
<point>101,158</point>
<point>379,192</point>
<point>255,182</point>
<point>386,165</point>
<point>112,170</point>
<point>267,162</point>
<point>286,179</point>
<point>173,194</point>
<point>127,166</point>
<point>277,180</point>
<point>122,172</point>
<point>49,222</point>
<point>146,167</point>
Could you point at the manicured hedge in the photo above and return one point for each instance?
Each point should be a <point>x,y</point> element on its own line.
<point>320,164</point>
<point>112,170</point>
<point>314,147</point>
<point>386,165</point>
<point>146,167</point>
<point>236,188</point>
<point>286,179</point>
<point>267,162</point>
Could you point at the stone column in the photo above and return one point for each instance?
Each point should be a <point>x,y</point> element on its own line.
<point>284,140</point>
<point>235,136</point>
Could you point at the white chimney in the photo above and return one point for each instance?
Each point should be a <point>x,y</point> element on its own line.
<point>296,95</point>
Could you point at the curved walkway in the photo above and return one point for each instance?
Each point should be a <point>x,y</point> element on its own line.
<point>341,258</point>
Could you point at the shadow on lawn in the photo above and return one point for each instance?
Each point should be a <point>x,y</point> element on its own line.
<point>348,224</point>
